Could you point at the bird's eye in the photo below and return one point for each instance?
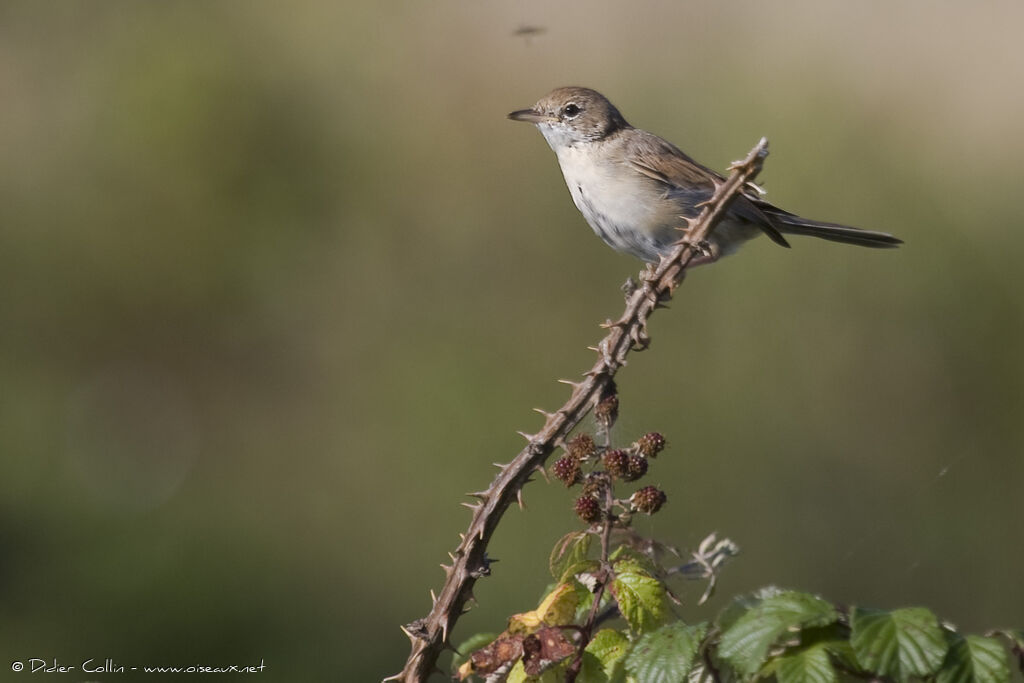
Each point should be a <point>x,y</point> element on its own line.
<point>570,110</point>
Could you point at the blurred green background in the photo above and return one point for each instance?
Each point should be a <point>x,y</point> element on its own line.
<point>280,281</point>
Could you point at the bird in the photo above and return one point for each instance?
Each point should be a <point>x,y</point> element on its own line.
<point>635,189</point>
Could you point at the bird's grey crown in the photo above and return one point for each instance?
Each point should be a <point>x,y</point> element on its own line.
<point>583,115</point>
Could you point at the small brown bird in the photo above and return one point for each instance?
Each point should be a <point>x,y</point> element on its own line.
<point>633,187</point>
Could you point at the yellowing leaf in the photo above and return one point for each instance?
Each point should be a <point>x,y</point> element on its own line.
<point>556,609</point>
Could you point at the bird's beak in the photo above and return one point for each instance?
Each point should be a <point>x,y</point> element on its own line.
<point>531,116</point>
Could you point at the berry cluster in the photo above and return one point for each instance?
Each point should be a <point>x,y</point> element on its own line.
<point>604,466</point>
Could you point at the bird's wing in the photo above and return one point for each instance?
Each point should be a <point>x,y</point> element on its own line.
<point>666,164</point>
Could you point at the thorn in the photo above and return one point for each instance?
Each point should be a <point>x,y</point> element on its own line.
<point>451,556</point>
<point>608,324</point>
<point>433,596</point>
<point>519,499</point>
<point>574,385</point>
<point>482,495</point>
<point>462,537</point>
<point>546,414</point>
<point>543,473</point>
<point>444,633</point>
<point>447,570</point>
<point>472,506</point>
<point>528,437</point>
<point>594,349</point>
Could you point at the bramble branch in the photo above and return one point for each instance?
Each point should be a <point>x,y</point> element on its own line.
<point>430,634</point>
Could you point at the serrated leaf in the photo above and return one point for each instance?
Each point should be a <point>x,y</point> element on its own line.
<point>842,652</point>
<point>745,644</point>
<point>609,648</point>
<point>666,655</point>
<point>643,601</point>
<point>810,665</point>
<point>975,659</point>
<point>571,550</point>
<point>586,601</point>
<point>624,555</point>
<point>736,608</point>
<point>900,644</point>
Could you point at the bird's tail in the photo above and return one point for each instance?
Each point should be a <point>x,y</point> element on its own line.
<point>790,224</point>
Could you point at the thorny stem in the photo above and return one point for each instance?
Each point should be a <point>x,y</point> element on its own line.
<point>606,575</point>
<point>430,634</point>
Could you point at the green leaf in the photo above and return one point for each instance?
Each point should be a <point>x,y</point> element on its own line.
<point>518,675</point>
<point>809,665</point>
<point>843,654</point>
<point>666,655</point>
<point>745,644</point>
<point>1017,635</point>
<point>900,644</point>
<point>592,670</point>
<point>642,598</point>
<point>624,555</point>
<point>742,604</point>
<point>570,552</point>
<point>609,648</point>
<point>975,659</point>
<point>469,646</point>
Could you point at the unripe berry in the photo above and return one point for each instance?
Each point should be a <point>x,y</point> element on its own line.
<point>581,446</point>
<point>595,484</point>
<point>616,463</point>
<point>567,470</point>
<point>588,509</point>
<point>648,499</point>
<point>651,444</point>
<point>637,467</point>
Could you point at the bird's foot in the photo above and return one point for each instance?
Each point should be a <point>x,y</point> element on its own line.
<point>704,251</point>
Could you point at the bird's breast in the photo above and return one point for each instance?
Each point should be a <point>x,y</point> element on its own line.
<point>629,212</point>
